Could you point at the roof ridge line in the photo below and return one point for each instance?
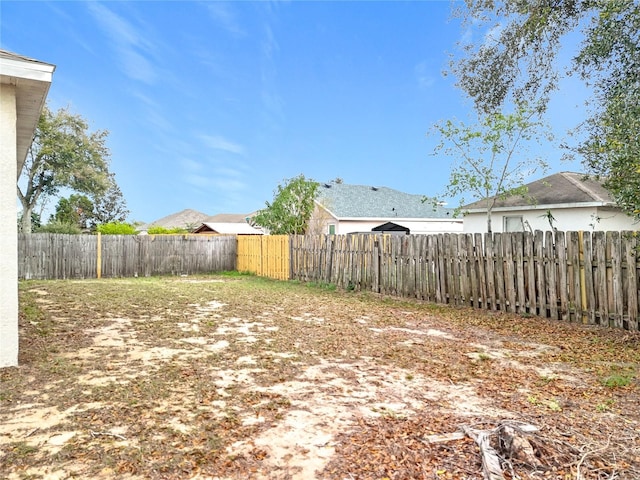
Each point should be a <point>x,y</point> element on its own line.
<point>584,188</point>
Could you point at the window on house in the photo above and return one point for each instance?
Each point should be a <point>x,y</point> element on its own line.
<point>332,229</point>
<point>512,223</point>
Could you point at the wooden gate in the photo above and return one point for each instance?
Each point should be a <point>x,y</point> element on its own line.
<point>264,255</point>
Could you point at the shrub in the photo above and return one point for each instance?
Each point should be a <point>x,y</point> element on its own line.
<point>166,231</point>
<point>116,228</point>
<point>56,226</point>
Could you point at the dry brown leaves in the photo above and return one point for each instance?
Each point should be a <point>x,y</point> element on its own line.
<point>240,377</point>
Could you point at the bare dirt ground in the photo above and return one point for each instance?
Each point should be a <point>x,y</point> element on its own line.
<point>236,377</point>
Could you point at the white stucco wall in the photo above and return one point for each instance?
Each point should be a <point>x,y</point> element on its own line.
<point>415,226</point>
<point>321,219</point>
<point>9,230</point>
<point>566,219</point>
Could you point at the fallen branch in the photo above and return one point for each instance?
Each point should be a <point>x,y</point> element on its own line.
<point>106,434</point>
<point>586,454</point>
<point>516,445</point>
<point>32,432</point>
<point>491,467</point>
<point>445,437</point>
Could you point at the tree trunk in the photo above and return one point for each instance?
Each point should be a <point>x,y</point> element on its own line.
<point>488,221</point>
<point>25,221</point>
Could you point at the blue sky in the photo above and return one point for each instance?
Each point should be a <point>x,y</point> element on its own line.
<point>210,105</point>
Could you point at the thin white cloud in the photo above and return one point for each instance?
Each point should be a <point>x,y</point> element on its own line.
<point>225,16</point>
<point>269,43</point>
<point>195,180</point>
<point>214,182</point>
<point>220,143</point>
<point>229,172</point>
<point>131,46</point>
<point>271,100</point>
<point>425,78</point>
<point>191,165</point>
<point>66,25</point>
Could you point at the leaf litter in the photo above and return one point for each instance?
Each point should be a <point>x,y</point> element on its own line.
<point>240,377</point>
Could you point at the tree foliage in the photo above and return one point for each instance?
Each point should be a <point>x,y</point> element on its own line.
<point>76,210</point>
<point>516,59</point>
<point>610,60</point>
<point>116,228</point>
<point>111,206</point>
<point>490,157</point>
<point>291,208</point>
<point>63,154</point>
<point>57,226</point>
<point>166,231</point>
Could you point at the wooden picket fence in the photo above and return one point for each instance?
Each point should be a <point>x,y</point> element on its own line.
<point>574,276</point>
<point>58,256</point>
<point>266,256</point>
<point>588,277</point>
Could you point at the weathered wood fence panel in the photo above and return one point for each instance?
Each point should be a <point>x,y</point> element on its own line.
<point>574,276</point>
<point>58,256</point>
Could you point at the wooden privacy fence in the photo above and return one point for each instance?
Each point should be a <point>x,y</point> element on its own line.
<point>575,276</point>
<point>58,256</point>
<point>267,256</point>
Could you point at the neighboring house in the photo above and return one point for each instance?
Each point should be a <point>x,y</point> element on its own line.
<point>230,218</point>
<point>187,219</point>
<point>236,224</point>
<point>229,224</point>
<point>228,228</point>
<point>564,201</point>
<point>342,208</point>
<point>24,84</point>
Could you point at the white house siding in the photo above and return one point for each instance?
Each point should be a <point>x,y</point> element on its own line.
<point>415,227</point>
<point>566,219</point>
<point>9,230</point>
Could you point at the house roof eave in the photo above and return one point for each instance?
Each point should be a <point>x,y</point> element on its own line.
<point>397,219</point>
<point>31,80</point>
<point>541,207</point>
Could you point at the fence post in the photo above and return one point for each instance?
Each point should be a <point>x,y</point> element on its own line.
<point>99,257</point>
<point>583,287</point>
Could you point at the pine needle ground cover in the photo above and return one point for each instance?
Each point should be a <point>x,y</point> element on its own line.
<point>237,377</point>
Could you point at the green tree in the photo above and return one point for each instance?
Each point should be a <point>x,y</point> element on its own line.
<point>291,208</point>
<point>111,206</point>
<point>36,221</point>
<point>166,231</point>
<point>76,210</point>
<point>610,61</point>
<point>56,226</point>
<point>516,58</point>
<point>490,158</point>
<point>116,228</point>
<point>63,154</point>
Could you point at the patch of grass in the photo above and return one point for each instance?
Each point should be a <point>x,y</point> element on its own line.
<point>617,380</point>
<point>19,453</point>
<point>552,404</point>
<point>605,406</point>
<point>235,273</point>
<point>62,367</point>
<point>484,356</point>
<point>331,287</point>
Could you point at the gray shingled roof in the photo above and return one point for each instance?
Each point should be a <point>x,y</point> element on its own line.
<point>361,201</point>
<point>229,218</point>
<point>15,56</point>
<point>559,188</point>
<point>183,219</point>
